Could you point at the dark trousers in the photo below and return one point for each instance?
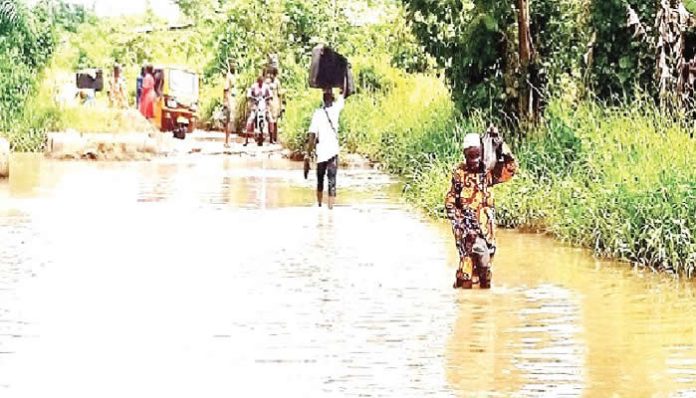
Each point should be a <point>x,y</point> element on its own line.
<point>330,168</point>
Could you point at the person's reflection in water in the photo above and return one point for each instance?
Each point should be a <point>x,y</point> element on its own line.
<point>476,359</point>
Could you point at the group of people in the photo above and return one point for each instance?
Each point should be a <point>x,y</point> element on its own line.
<point>469,202</point>
<point>145,94</point>
<point>264,95</point>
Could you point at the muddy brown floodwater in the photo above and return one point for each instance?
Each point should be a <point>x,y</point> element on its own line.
<point>215,277</point>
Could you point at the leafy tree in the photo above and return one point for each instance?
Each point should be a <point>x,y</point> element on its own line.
<point>622,56</point>
<point>470,39</point>
<point>27,41</point>
<point>478,43</point>
<point>71,16</point>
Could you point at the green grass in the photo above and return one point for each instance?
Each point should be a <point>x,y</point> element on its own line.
<point>26,128</point>
<point>102,119</point>
<point>28,131</point>
<point>627,191</point>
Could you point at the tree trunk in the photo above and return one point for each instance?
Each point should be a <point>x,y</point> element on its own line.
<point>526,100</point>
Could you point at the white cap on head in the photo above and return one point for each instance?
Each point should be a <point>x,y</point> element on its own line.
<point>472,140</point>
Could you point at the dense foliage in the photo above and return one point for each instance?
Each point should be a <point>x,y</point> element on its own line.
<point>623,58</point>
<point>27,41</point>
<point>476,42</point>
<point>28,38</point>
<point>604,47</point>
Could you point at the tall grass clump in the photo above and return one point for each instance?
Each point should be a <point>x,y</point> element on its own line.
<point>616,179</point>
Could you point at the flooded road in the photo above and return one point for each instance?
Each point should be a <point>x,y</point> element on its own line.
<point>217,277</point>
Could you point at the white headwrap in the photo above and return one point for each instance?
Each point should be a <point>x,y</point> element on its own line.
<point>472,140</point>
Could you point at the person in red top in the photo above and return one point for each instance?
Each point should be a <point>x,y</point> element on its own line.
<point>147,98</point>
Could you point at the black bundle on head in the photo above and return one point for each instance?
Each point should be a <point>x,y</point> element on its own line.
<point>328,68</point>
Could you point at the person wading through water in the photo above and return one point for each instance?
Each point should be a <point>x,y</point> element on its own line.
<point>323,137</point>
<point>469,203</point>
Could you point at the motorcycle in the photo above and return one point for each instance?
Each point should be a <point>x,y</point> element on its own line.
<point>261,121</point>
<point>181,128</point>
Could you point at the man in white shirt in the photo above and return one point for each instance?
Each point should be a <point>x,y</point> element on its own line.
<point>323,135</point>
